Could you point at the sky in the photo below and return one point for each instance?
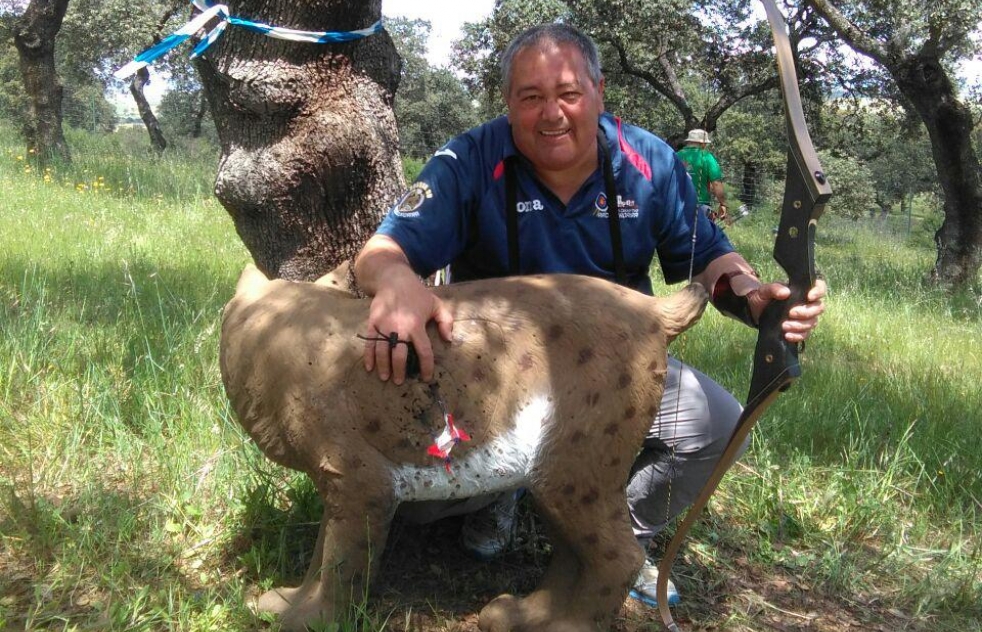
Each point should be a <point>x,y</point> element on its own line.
<point>446,17</point>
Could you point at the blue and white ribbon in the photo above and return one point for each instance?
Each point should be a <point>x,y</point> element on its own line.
<point>210,11</point>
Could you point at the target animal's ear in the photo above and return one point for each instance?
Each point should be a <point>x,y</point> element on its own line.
<point>340,278</point>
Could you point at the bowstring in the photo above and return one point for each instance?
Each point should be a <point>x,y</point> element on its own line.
<point>673,454</point>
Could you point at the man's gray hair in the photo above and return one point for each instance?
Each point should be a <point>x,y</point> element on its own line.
<point>554,33</point>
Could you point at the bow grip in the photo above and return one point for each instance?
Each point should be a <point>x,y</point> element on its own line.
<point>775,359</point>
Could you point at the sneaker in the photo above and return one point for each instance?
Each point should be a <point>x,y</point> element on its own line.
<point>488,532</point>
<point>645,587</point>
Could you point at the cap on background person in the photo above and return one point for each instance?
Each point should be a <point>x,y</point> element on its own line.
<point>700,136</point>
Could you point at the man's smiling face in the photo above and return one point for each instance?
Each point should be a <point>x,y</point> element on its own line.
<point>554,108</point>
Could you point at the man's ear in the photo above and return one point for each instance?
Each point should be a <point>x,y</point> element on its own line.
<point>600,89</point>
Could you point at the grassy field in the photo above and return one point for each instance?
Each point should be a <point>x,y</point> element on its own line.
<point>131,500</point>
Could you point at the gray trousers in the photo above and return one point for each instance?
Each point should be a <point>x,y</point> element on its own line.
<point>686,439</point>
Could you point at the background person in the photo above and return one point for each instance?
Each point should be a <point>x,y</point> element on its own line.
<point>706,174</point>
<point>554,146</point>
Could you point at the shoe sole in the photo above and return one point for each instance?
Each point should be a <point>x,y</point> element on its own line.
<point>673,599</point>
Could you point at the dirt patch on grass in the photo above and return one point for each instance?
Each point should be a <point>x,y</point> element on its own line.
<point>429,584</point>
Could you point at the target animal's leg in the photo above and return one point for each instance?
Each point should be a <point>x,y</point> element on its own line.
<point>352,535</point>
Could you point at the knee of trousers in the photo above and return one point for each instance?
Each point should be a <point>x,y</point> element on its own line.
<point>697,419</point>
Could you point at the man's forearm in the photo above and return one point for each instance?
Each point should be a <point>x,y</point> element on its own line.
<point>718,191</point>
<point>730,280</point>
<point>381,261</point>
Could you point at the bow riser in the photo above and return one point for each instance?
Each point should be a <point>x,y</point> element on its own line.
<point>776,359</point>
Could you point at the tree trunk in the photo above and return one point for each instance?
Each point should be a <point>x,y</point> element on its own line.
<point>309,158</point>
<point>199,114</point>
<point>949,123</point>
<point>34,37</point>
<point>925,83</point>
<point>749,191</point>
<point>140,80</point>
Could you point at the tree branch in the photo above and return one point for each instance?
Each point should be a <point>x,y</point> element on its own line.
<point>677,98</point>
<point>670,74</point>
<point>945,32</point>
<point>729,99</point>
<point>852,34</point>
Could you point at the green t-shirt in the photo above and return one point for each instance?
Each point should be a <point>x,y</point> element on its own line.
<point>702,168</point>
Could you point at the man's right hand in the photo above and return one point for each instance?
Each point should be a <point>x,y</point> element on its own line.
<point>401,305</point>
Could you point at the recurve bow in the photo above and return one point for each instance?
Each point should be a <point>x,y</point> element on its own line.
<point>775,360</point>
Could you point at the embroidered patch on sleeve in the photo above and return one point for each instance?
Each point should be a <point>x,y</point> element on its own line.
<point>408,205</point>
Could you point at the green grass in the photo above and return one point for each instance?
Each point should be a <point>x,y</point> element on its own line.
<point>131,500</point>
<point>118,454</point>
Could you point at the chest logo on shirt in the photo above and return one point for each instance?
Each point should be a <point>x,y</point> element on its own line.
<point>600,205</point>
<point>528,207</point>
<point>408,205</point>
<point>626,209</point>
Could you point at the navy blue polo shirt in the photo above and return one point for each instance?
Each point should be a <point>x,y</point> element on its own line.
<point>455,212</point>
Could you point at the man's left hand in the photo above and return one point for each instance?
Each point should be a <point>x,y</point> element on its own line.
<point>802,318</point>
<point>720,215</point>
